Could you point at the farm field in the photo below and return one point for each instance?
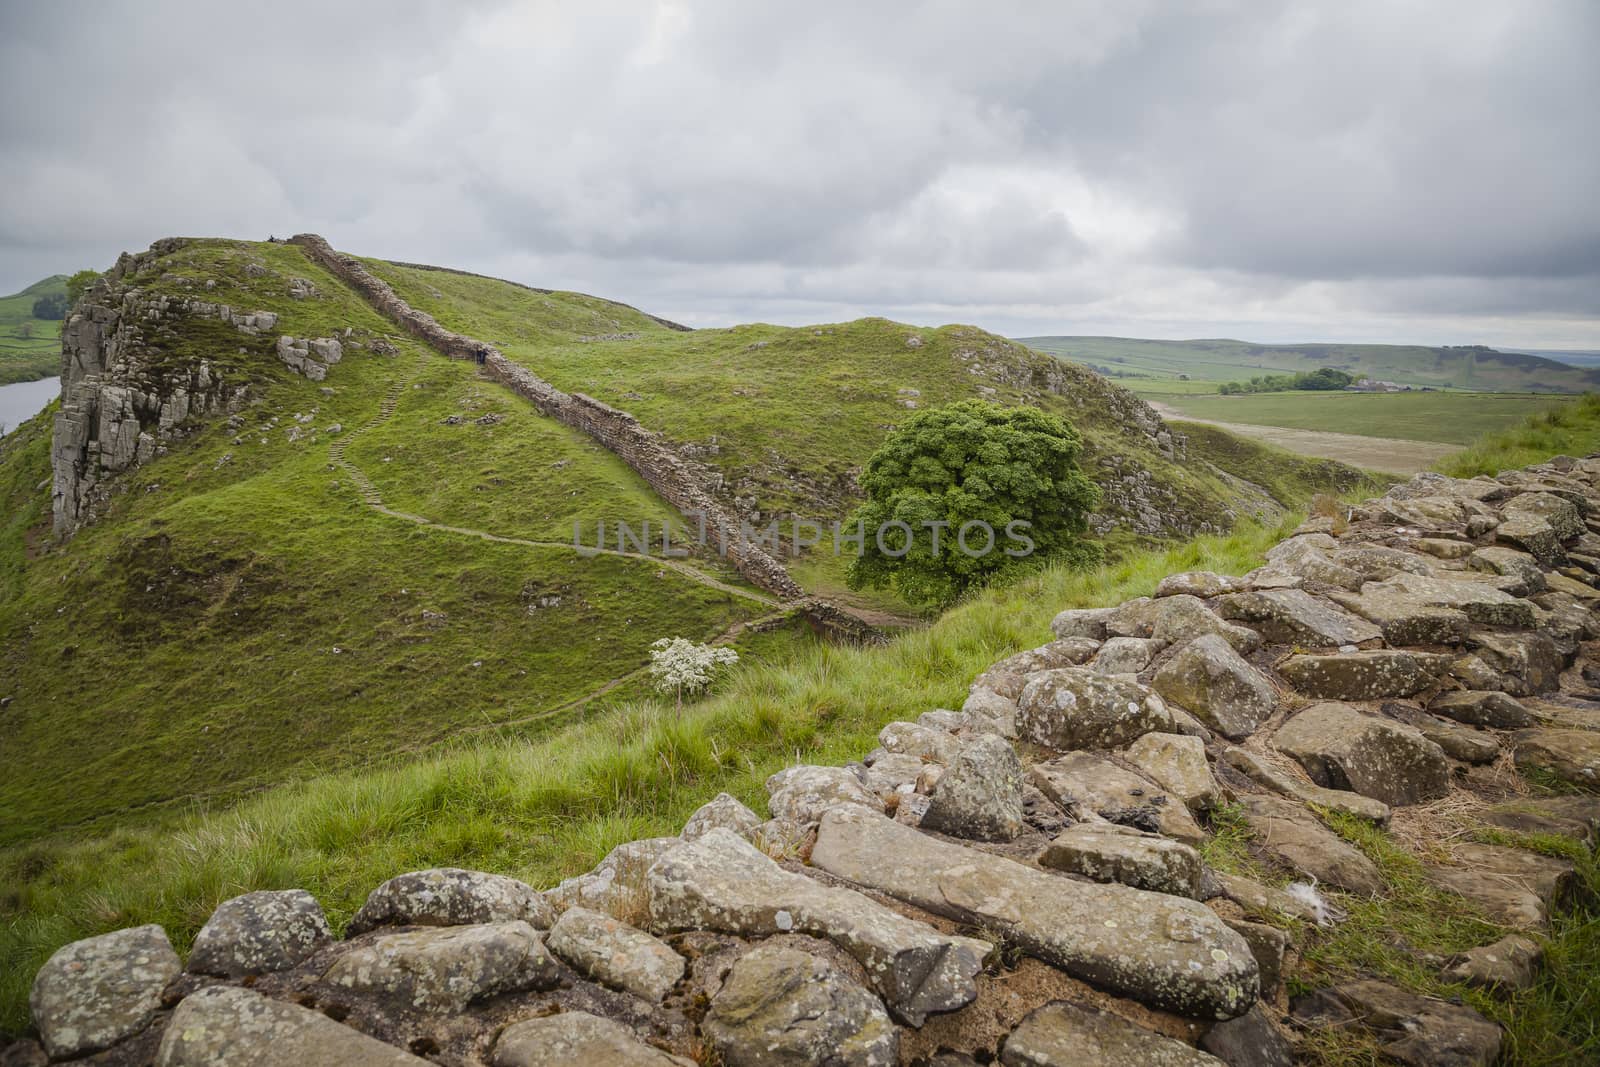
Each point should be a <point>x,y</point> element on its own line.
<point>1198,365</point>
<point>30,348</point>
<point>1449,418</point>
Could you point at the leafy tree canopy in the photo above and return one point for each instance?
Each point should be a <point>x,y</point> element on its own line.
<point>78,284</point>
<point>966,493</point>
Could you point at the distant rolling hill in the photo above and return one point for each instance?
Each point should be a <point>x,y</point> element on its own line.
<point>1572,357</point>
<point>30,348</point>
<point>1472,367</point>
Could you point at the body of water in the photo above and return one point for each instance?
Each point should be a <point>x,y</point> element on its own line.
<point>21,401</point>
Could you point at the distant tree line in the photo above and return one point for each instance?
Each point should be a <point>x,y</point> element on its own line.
<point>1324,378</point>
<point>54,306</point>
<point>50,306</point>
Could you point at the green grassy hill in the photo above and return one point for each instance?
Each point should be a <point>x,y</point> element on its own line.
<point>30,348</point>
<point>550,806</point>
<point>1133,362</point>
<point>241,615</point>
<point>787,415</point>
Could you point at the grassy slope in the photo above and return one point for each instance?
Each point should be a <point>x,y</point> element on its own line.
<point>546,808</point>
<point>38,355</point>
<point>1452,418</point>
<point>262,622</point>
<point>551,807</point>
<point>786,414</point>
<point>1226,360</point>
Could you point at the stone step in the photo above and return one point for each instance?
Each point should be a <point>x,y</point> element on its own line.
<point>241,1028</point>
<point>721,882</point>
<point>1514,887</point>
<point>1261,772</point>
<point>1166,951</point>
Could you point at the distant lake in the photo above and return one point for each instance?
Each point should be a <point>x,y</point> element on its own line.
<point>21,401</point>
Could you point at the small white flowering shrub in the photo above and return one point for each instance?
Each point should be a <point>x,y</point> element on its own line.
<point>680,666</point>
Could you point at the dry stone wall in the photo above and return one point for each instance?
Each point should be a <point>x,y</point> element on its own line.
<point>1022,881</point>
<point>687,486</point>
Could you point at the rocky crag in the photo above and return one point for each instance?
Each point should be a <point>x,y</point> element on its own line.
<point>1021,881</point>
<point>124,399</point>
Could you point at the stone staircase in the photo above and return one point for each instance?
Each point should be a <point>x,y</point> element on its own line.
<point>1022,881</point>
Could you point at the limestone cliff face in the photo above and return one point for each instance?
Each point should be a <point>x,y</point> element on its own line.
<point>129,385</point>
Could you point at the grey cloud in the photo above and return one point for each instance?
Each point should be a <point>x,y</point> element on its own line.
<point>1423,169</point>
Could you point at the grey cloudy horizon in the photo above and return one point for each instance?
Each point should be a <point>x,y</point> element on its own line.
<point>1416,172</point>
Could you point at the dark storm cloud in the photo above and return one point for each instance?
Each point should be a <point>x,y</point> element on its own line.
<point>1415,171</point>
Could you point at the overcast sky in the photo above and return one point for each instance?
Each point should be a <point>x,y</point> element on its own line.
<point>1383,171</point>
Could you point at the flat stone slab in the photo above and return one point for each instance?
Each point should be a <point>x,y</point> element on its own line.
<point>1577,817</point>
<point>1297,838</point>
<point>1571,755</point>
<point>447,968</point>
<point>1344,748</point>
<point>779,1006</point>
<point>1107,852</point>
<point>1295,617</point>
<point>1404,619</point>
<point>1065,1035</point>
<point>258,933</point>
<point>1361,675</point>
<point>450,896</point>
<point>93,993</point>
<point>721,882</point>
<point>1264,900</point>
<point>1263,773</point>
<point>576,1037</point>
<point>1083,781</point>
<point>241,1028</point>
<point>1198,583</point>
<point>1482,707</point>
<point>1480,601</point>
<point>1514,887</point>
<point>1419,1031</point>
<point>1508,965</point>
<point>616,954</point>
<point>1166,951</point>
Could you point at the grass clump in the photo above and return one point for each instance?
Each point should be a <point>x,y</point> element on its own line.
<point>1572,429</point>
<point>1402,936</point>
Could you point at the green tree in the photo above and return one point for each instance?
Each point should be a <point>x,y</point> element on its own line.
<point>50,306</point>
<point>78,284</point>
<point>968,493</point>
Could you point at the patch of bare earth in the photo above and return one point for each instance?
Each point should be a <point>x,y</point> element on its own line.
<point>1389,454</point>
